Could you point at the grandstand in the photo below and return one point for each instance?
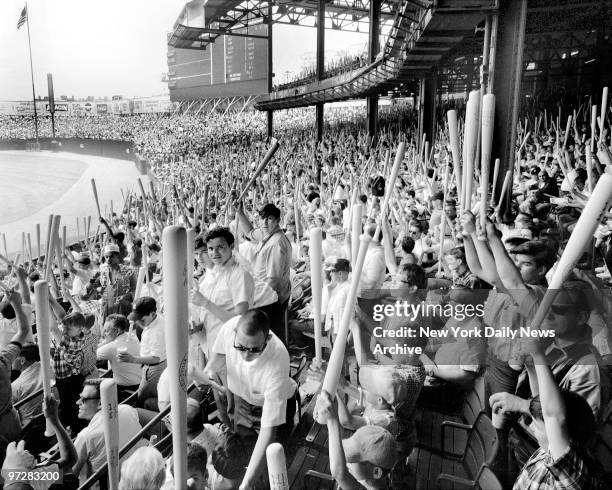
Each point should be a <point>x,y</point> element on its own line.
<point>369,210</point>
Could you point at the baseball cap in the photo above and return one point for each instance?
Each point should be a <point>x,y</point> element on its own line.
<point>371,444</point>
<point>337,264</point>
<point>111,248</point>
<point>518,236</point>
<point>142,307</point>
<point>385,381</point>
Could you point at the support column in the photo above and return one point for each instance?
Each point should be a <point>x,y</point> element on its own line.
<point>507,83</point>
<point>320,65</point>
<point>427,106</point>
<point>270,71</point>
<point>373,50</point>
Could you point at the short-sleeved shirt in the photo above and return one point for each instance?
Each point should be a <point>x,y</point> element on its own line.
<point>8,328</point>
<point>124,373</point>
<point>153,341</point>
<point>373,272</point>
<point>92,437</point>
<point>273,260</point>
<point>8,355</point>
<point>226,286</point>
<point>542,472</point>
<point>263,381</point>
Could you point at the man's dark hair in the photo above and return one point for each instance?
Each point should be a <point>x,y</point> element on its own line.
<point>232,454</point>
<point>407,244</point>
<point>253,322</point>
<point>458,253</point>
<point>221,232</point>
<point>120,322</point>
<point>75,319</point>
<point>413,275</point>
<point>95,382</point>
<point>196,458</point>
<point>30,353</point>
<point>269,210</point>
<point>438,196</point>
<point>6,310</point>
<point>539,250</point>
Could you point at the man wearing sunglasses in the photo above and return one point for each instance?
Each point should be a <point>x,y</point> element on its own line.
<point>89,443</point>
<point>261,395</point>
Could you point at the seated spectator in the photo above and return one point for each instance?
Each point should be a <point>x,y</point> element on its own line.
<point>117,338</point>
<point>90,444</point>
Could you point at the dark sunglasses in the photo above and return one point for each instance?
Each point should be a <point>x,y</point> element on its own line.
<point>250,350</point>
<point>84,399</point>
<point>562,309</point>
<point>526,419</point>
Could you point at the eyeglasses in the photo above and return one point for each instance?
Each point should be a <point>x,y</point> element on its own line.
<point>526,419</point>
<point>250,350</point>
<point>85,398</point>
<point>414,232</point>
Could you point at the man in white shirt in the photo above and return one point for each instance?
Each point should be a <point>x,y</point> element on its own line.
<point>118,339</point>
<point>226,290</point>
<point>89,444</point>
<point>152,349</point>
<point>258,383</point>
<point>374,267</point>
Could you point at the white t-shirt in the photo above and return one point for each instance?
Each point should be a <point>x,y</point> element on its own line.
<point>153,341</point>
<point>8,328</point>
<point>264,381</point>
<point>124,373</point>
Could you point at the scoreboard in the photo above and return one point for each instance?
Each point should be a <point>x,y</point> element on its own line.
<point>231,66</point>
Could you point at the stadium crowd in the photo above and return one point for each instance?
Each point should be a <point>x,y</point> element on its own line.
<point>251,317</point>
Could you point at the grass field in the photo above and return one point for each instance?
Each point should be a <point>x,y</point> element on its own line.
<point>35,185</point>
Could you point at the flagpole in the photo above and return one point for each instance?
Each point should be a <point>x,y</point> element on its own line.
<point>32,73</point>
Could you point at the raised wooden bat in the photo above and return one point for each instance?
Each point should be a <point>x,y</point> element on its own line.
<point>43,334</point>
<point>596,207</point>
<point>453,134</point>
<point>336,360</point>
<point>266,159</point>
<point>399,158</point>
<point>95,193</point>
<point>110,420</point>
<point>175,279</point>
<point>488,120</point>
<point>316,278</point>
<point>604,110</point>
<point>470,139</point>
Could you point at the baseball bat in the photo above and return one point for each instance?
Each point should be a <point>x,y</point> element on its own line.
<point>262,165</point>
<point>43,334</point>
<point>507,183</point>
<point>52,238</point>
<point>175,277</point>
<point>453,134</point>
<point>568,127</point>
<point>604,110</point>
<point>38,240</point>
<point>336,359</point>
<point>47,243</point>
<point>596,207</point>
<point>316,273</point>
<point>191,234</point>
<point>470,139</point>
<point>495,177</point>
<point>140,281</point>
<point>30,249</point>
<point>593,129</point>
<point>95,193</point>
<point>110,412</point>
<point>4,243</point>
<point>296,212</point>
<point>589,167</point>
<point>399,158</point>
<point>356,230</point>
<point>277,467</point>
<point>488,119</point>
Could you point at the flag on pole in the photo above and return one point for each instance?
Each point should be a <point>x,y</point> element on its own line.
<point>23,17</point>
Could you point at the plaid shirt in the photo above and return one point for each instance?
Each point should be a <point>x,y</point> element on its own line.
<point>90,347</point>
<point>68,357</point>
<point>541,472</point>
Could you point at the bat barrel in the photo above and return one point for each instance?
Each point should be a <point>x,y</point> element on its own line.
<point>175,278</point>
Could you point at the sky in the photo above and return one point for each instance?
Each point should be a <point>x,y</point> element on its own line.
<point>116,47</point>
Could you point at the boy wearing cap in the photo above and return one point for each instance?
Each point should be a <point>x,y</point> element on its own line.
<point>364,460</point>
<point>117,282</point>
